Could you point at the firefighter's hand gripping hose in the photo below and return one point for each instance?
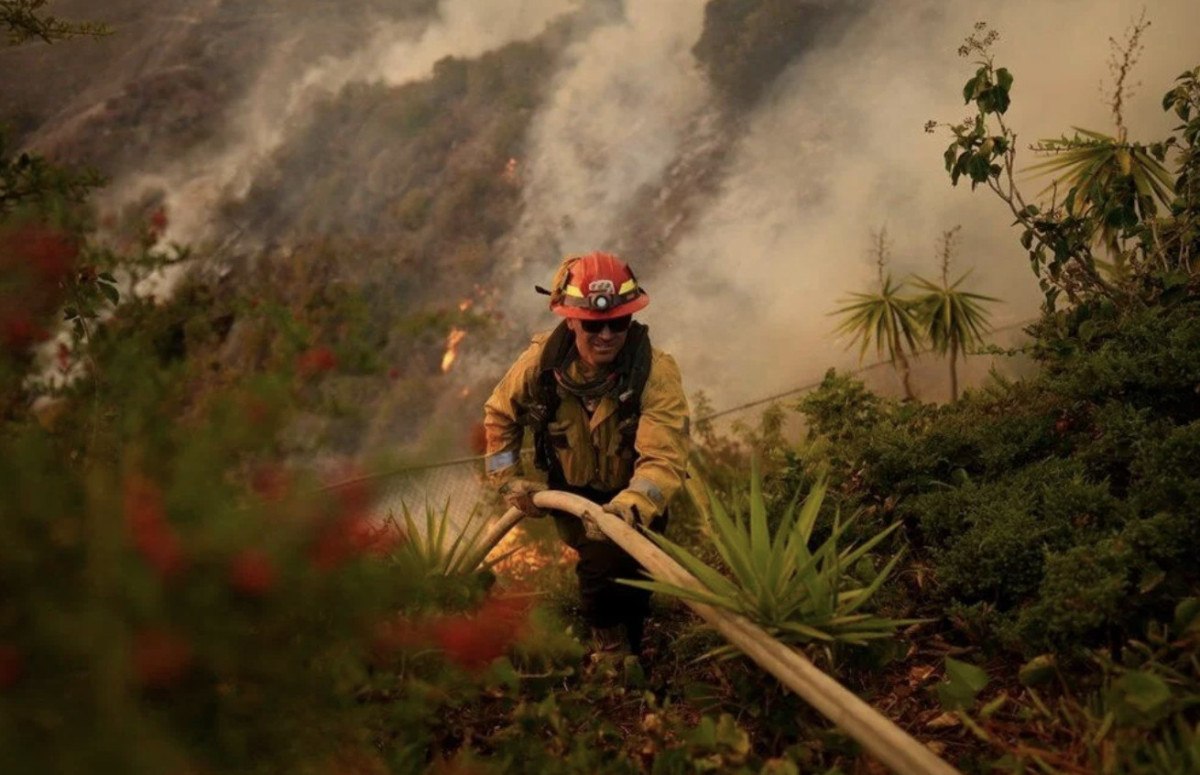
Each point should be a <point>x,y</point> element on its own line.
<point>876,733</point>
<point>518,494</point>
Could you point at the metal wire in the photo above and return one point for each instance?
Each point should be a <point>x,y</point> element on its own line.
<point>461,486</point>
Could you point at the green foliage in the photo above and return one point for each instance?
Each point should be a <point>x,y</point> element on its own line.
<point>884,319</point>
<point>28,180</point>
<point>800,595</point>
<point>1053,513</point>
<point>1135,714</point>
<point>840,407</point>
<point>443,548</point>
<point>1110,190</point>
<point>167,569</point>
<point>25,20</point>
<point>953,320</point>
<point>1094,169</point>
<point>962,684</point>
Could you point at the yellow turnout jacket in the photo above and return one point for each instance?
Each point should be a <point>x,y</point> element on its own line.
<point>589,447</point>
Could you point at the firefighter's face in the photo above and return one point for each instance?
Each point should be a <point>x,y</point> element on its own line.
<point>598,348</point>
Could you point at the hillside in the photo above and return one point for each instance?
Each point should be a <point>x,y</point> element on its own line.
<point>236,356</point>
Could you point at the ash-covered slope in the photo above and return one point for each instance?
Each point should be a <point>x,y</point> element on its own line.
<point>739,152</point>
<point>172,74</point>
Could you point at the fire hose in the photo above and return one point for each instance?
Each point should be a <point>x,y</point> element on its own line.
<point>876,733</point>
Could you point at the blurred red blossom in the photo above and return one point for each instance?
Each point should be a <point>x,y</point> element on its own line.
<point>158,220</point>
<point>315,360</point>
<point>63,357</point>
<point>270,481</point>
<point>350,535</point>
<point>34,261</point>
<point>473,641</point>
<point>399,633</point>
<point>146,520</point>
<point>346,530</point>
<point>12,665</point>
<point>19,332</point>
<point>252,573</point>
<point>353,761</point>
<point>49,252</point>
<point>160,657</point>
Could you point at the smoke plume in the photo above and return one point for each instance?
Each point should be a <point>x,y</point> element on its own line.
<point>835,150</point>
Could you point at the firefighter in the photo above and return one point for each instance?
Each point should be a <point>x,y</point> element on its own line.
<point>609,420</point>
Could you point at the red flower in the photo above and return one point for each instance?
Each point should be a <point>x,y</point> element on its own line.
<point>340,540</point>
<point>158,219</point>
<point>353,497</point>
<point>146,520</point>
<point>49,252</point>
<point>12,665</point>
<point>256,411</point>
<point>399,634</point>
<point>472,642</point>
<point>351,530</point>
<point>63,355</point>
<point>315,360</point>
<point>270,482</point>
<point>160,658</point>
<point>252,573</point>
<point>18,331</point>
<point>393,373</point>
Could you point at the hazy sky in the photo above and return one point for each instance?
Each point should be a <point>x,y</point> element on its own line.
<point>836,150</point>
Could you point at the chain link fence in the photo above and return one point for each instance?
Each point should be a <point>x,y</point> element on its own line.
<point>460,486</point>
<point>456,487</point>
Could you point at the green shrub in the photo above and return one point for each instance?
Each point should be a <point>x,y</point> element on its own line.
<point>1084,590</point>
<point>1016,494</point>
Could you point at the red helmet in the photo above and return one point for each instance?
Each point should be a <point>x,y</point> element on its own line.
<point>597,286</point>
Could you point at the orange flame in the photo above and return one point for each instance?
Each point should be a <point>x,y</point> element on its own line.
<point>465,305</point>
<point>452,342</point>
<point>510,174</point>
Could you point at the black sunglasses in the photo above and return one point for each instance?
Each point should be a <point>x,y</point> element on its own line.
<point>616,325</point>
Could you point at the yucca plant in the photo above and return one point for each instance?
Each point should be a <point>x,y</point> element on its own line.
<point>1116,182</point>
<point>885,318</point>
<point>801,595</point>
<point>432,549</point>
<point>952,319</point>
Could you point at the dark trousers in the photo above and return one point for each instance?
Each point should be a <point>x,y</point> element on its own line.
<point>605,602</point>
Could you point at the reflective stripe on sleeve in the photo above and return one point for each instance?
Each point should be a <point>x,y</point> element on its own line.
<point>650,490</point>
<point>496,462</point>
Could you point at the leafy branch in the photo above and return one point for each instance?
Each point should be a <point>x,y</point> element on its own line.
<point>1114,190</point>
<point>25,21</point>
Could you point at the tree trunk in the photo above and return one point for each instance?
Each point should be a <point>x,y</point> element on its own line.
<point>905,374</point>
<point>953,368</point>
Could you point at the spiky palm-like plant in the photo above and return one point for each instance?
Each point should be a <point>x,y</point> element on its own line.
<point>800,594</point>
<point>885,319</point>
<point>433,552</point>
<point>1113,181</point>
<point>952,319</point>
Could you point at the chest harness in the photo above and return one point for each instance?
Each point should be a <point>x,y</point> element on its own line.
<point>624,382</point>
